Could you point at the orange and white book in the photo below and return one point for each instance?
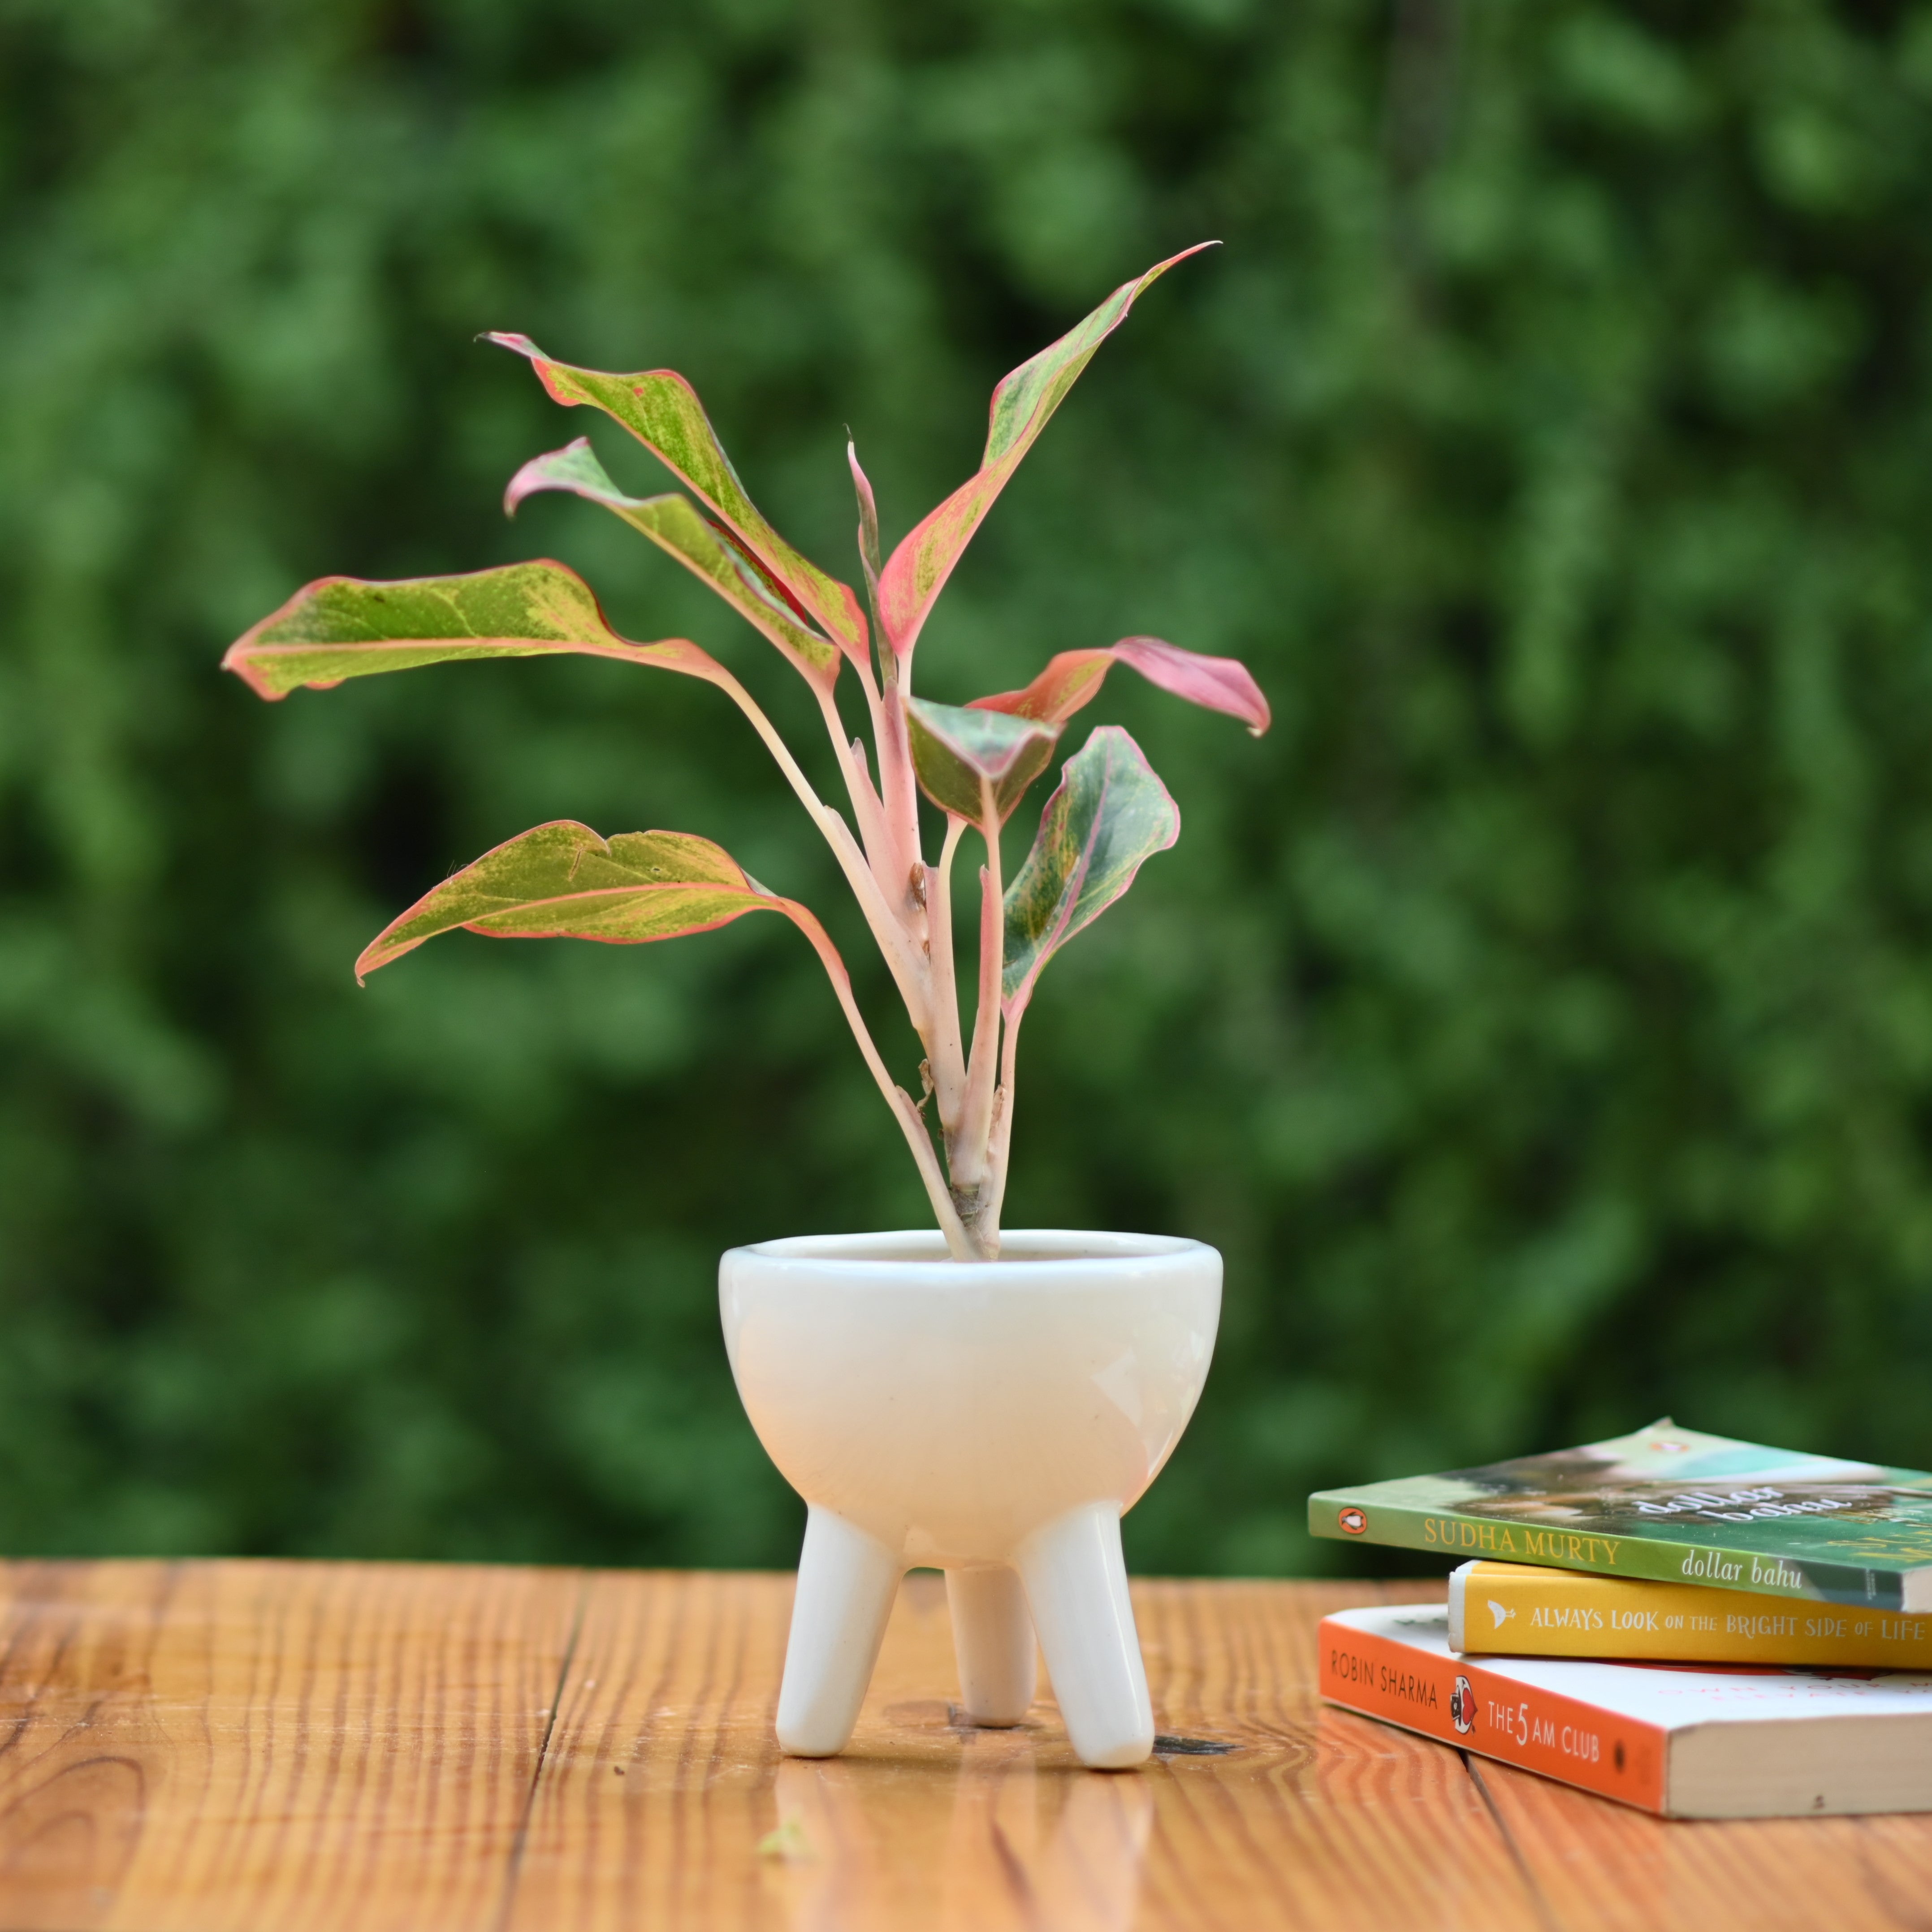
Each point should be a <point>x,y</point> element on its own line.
<point>1738,1741</point>
<point>1520,1609</point>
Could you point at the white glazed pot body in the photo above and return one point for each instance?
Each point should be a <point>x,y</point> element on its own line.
<point>950,1407</point>
<point>992,1418</point>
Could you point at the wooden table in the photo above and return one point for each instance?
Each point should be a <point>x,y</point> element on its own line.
<point>199,1747</point>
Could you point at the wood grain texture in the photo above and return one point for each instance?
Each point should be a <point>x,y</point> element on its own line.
<point>212,1746</point>
<point>290,1748</point>
<point>663,1782</point>
<point>1602,1866</point>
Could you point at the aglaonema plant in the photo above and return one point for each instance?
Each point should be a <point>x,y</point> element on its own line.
<point>975,763</point>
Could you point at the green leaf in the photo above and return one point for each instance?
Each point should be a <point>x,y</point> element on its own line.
<point>562,881</point>
<point>341,627</point>
<point>661,410</point>
<point>1027,396</point>
<point>1110,813</point>
<point>674,523</point>
<point>963,757</point>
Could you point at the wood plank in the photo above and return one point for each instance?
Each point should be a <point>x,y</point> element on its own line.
<point>292,1747</point>
<point>663,1781</point>
<point>1605,1868</point>
<point>1322,1818</point>
<point>252,1746</point>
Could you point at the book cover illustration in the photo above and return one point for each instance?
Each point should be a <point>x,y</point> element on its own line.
<point>1672,1504</point>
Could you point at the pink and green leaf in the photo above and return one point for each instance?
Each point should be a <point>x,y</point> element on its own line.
<point>562,881</point>
<point>1025,399</point>
<point>1073,679</point>
<point>1110,814</point>
<point>342,627</point>
<point>675,524</point>
<point>661,410</point>
<point>868,523</point>
<point>963,756</point>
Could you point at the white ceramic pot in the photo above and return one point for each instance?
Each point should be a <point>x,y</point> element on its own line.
<point>991,1419</point>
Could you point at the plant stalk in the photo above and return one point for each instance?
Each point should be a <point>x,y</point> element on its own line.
<point>851,756</point>
<point>959,1241</point>
<point>947,1057</point>
<point>968,1150</point>
<point>909,969</point>
<point>994,1192</point>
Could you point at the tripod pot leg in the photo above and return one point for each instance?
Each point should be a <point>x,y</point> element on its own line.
<point>992,1638</point>
<point>847,1579</point>
<point>1076,1584</point>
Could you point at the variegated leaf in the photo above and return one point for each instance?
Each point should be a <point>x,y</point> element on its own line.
<point>1073,679</point>
<point>1110,813</point>
<point>341,627</point>
<point>868,523</point>
<point>562,881</point>
<point>957,752</point>
<point>674,523</point>
<point>1026,397</point>
<point>661,410</point>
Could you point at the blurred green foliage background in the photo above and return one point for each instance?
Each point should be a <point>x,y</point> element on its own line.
<point>1540,1019</point>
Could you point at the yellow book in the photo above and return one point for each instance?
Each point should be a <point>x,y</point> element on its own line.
<point>1515,1609</point>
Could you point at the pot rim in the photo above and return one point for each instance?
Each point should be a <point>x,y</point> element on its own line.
<point>1026,1254</point>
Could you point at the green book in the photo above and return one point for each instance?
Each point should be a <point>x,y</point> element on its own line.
<point>1670,1504</point>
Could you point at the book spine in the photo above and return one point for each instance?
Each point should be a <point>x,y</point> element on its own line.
<point>1510,1611</point>
<point>1460,1703</point>
<point>1449,1533</point>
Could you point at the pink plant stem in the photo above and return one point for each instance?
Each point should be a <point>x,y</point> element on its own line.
<point>912,973</point>
<point>851,757</point>
<point>968,1156</point>
<point>959,1244</point>
<point>947,1057</point>
<point>908,969</point>
<point>899,794</point>
<point>994,1193</point>
<point>867,683</point>
<point>907,890</point>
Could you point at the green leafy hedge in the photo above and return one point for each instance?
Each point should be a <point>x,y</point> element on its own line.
<point>1540,1019</point>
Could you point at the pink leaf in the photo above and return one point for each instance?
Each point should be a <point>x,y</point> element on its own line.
<point>1026,397</point>
<point>1073,679</point>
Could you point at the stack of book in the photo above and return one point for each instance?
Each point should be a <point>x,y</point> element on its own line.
<point>1701,1627</point>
